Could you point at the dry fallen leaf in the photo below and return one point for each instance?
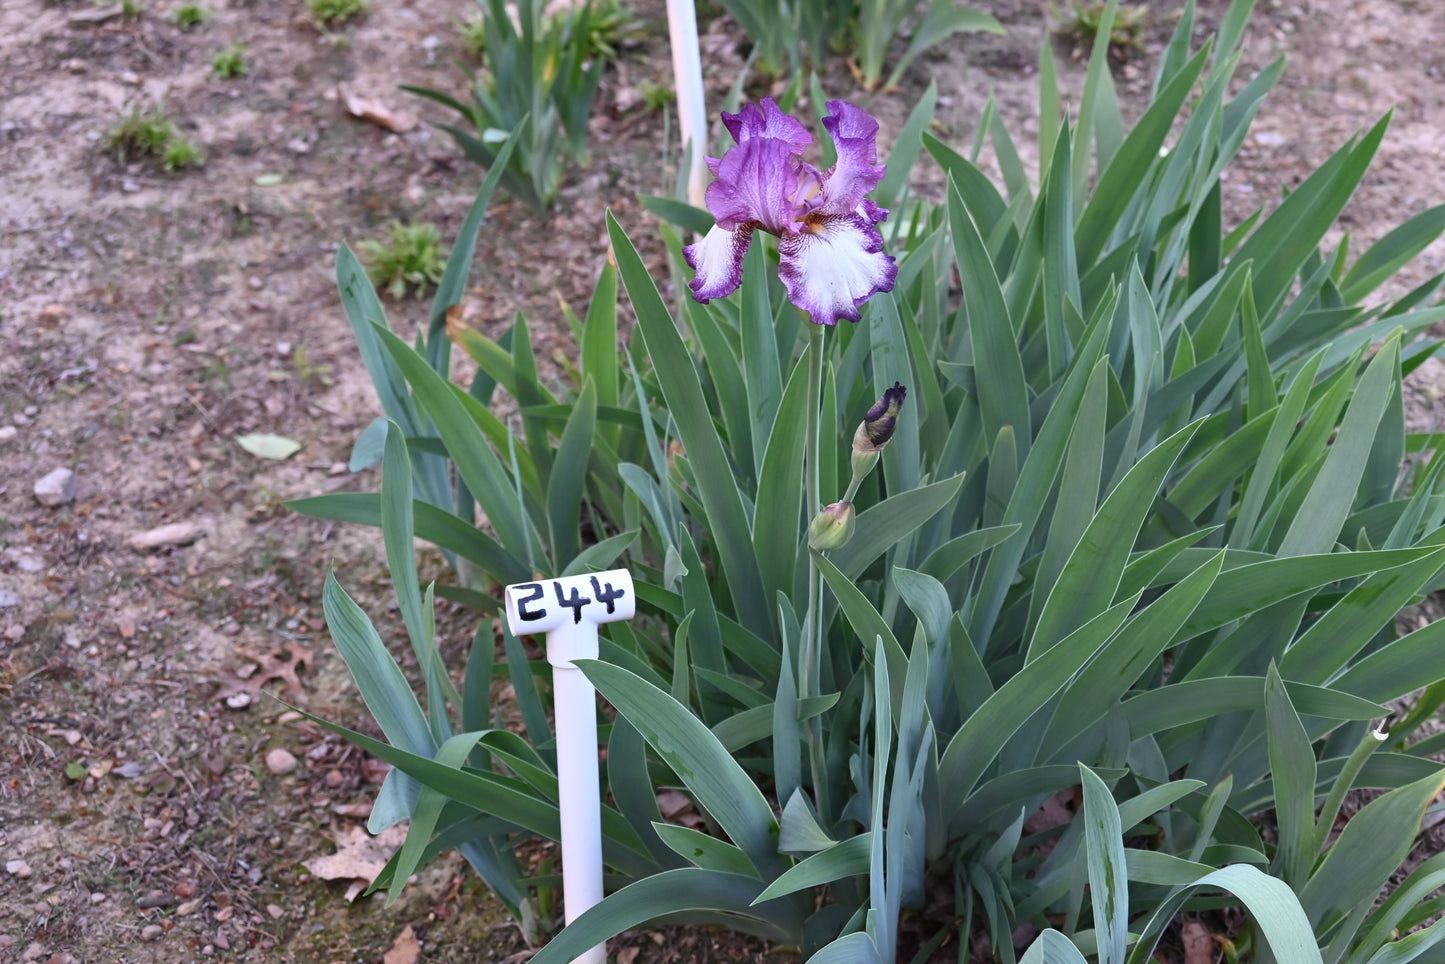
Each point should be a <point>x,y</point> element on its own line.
<point>1198,944</point>
<point>677,808</point>
<point>375,112</point>
<point>405,950</point>
<point>281,663</point>
<point>359,857</point>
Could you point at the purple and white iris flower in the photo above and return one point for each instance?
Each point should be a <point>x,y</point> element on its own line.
<point>830,251</point>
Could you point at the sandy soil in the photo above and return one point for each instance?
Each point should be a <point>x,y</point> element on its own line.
<point>147,319</point>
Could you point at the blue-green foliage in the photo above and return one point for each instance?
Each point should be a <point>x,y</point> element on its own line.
<point>789,34</point>
<point>1144,514</point>
<point>540,79</point>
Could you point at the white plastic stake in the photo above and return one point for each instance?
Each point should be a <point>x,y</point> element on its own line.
<point>687,81</point>
<point>569,610</point>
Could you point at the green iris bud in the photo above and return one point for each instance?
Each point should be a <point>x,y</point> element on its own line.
<point>832,527</point>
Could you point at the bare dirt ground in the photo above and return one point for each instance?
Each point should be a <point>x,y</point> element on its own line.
<point>147,319</point>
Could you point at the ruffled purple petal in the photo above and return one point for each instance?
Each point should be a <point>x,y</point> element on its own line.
<point>767,120</point>
<point>855,133</point>
<point>834,266</point>
<point>762,179</point>
<point>718,261</point>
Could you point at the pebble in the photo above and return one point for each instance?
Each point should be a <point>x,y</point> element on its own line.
<point>175,534</point>
<point>55,489</point>
<point>8,432</point>
<point>34,952</point>
<point>8,599</point>
<point>280,761</point>
<point>152,932</point>
<point>18,868</point>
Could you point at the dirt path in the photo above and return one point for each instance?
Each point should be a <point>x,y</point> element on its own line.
<point>146,319</point>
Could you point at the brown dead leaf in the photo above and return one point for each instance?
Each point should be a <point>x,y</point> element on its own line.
<point>1057,810</point>
<point>628,955</point>
<point>405,950</point>
<point>281,663</point>
<point>677,808</point>
<point>1198,943</point>
<point>359,811</point>
<point>359,857</point>
<point>375,112</point>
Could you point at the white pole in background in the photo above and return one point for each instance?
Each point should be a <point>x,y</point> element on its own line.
<point>687,79</point>
<point>569,611</point>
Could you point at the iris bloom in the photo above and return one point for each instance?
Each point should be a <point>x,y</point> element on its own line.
<point>830,250</point>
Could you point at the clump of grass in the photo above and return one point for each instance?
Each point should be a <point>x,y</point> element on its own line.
<point>333,13</point>
<point>181,153</point>
<point>150,133</point>
<point>1088,16</point>
<point>411,257</point>
<point>656,96</point>
<point>231,62</point>
<point>190,15</point>
<point>473,35</point>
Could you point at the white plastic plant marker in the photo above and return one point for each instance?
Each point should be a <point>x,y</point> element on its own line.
<point>687,81</point>
<point>569,610</point>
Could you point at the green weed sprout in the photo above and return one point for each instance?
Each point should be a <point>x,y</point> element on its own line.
<point>190,15</point>
<point>231,62</point>
<point>411,257</point>
<point>150,133</point>
<point>181,153</point>
<point>1087,17</point>
<point>333,13</point>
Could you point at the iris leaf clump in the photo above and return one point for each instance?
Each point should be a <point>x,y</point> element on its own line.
<point>1135,546</point>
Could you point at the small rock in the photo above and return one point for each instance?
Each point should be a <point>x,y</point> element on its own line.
<point>8,432</point>
<point>30,564</point>
<point>152,932</point>
<point>55,489</point>
<point>298,145</point>
<point>15,632</point>
<point>97,898</point>
<point>175,534</point>
<point>276,911</point>
<point>130,77</point>
<point>239,701</point>
<point>18,868</point>
<point>8,599</point>
<point>280,761</point>
<point>33,953</point>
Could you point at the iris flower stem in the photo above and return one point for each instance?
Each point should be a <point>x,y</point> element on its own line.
<point>810,654</point>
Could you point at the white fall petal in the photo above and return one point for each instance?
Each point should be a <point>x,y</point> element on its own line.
<point>718,261</point>
<point>834,267</point>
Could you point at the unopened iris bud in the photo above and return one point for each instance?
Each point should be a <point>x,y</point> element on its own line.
<point>876,429</point>
<point>877,426</point>
<point>832,527</point>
